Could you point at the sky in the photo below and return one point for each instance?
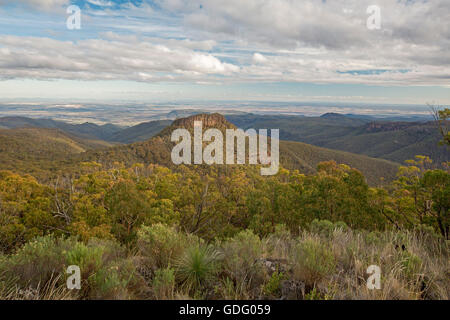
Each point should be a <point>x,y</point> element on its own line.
<point>256,50</point>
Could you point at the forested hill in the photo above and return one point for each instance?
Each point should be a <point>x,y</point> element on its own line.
<point>397,141</point>
<point>38,150</point>
<point>293,155</point>
<point>140,132</point>
<point>392,140</point>
<point>354,140</point>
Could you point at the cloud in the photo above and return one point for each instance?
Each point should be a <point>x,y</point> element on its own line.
<point>259,58</point>
<point>38,4</point>
<point>338,24</point>
<point>312,40</point>
<point>101,3</point>
<point>225,41</point>
<point>128,58</point>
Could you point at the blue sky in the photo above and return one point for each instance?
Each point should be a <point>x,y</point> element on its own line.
<point>271,50</point>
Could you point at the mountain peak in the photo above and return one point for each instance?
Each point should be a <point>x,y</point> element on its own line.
<point>214,120</point>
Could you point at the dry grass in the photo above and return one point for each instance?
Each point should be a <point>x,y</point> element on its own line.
<point>313,265</point>
<point>52,290</point>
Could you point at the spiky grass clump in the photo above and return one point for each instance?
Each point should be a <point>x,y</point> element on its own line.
<point>198,266</point>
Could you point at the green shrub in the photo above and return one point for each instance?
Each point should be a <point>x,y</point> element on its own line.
<point>314,294</point>
<point>325,227</point>
<point>272,287</point>
<point>373,238</point>
<point>109,283</point>
<point>161,245</point>
<point>322,227</point>
<point>40,266</point>
<point>282,232</point>
<point>106,270</point>
<point>164,284</point>
<point>341,225</point>
<point>313,261</point>
<point>241,254</point>
<point>89,259</point>
<point>412,265</point>
<point>426,230</point>
<point>36,262</point>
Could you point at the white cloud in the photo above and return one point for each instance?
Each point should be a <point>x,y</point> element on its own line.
<point>39,4</point>
<point>253,40</point>
<point>259,58</point>
<point>101,3</point>
<point>129,58</point>
<point>337,24</point>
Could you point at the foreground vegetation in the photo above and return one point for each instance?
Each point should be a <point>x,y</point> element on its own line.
<point>328,261</point>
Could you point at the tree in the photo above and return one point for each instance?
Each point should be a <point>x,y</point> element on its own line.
<point>437,183</point>
<point>25,210</point>
<point>442,118</point>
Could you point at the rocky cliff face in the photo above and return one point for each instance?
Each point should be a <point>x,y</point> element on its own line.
<point>214,120</point>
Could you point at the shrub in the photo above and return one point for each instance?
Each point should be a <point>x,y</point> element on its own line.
<point>412,265</point>
<point>164,284</point>
<point>427,231</point>
<point>282,232</point>
<point>89,259</point>
<point>272,287</point>
<point>315,294</point>
<point>38,269</point>
<point>322,227</point>
<point>341,225</point>
<point>373,238</point>
<point>325,227</point>
<point>313,261</point>
<point>161,245</point>
<point>241,254</point>
<point>36,262</point>
<point>106,270</point>
<point>109,282</point>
